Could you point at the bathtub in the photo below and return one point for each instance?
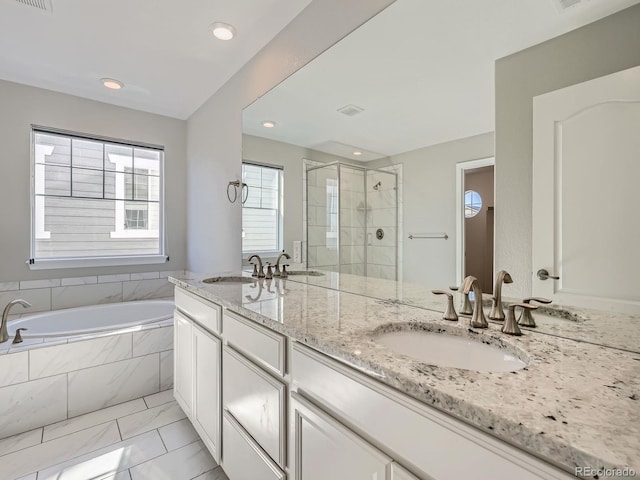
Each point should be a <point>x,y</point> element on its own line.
<point>92,319</point>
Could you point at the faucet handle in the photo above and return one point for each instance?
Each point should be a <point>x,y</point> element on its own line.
<point>269,274</point>
<point>450,312</point>
<point>18,337</point>
<point>510,326</point>
<point>284,273</point>
<point>526,319</point>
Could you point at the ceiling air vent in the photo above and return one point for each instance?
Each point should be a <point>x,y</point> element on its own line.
<point>568,4</point>
<point>350,110</point>
<point>42,5</point>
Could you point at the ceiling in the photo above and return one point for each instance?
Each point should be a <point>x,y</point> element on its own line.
<point>422,70</point>
<point>161,50</point>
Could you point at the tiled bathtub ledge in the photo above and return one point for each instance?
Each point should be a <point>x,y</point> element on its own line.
<point>575,404</point>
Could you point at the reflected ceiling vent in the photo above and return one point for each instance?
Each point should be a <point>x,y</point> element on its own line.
<point>569,4</point>
<point>350,110</point>
<point>42,5</point>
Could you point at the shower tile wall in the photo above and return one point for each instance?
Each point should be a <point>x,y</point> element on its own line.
<point>322,218</point>
<point>352,220</point>
<point>381,213</point>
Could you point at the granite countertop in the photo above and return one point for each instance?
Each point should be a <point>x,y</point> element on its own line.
<point>575,404</point>
<point>617,330</point>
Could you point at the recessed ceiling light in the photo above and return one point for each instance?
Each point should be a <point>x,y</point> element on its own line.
<point>357,153</point>
<point>222,31</point>
<point>268,124</point>
<point>112,83</point>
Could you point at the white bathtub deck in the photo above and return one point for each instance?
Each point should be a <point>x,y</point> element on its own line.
<point>148,438</point>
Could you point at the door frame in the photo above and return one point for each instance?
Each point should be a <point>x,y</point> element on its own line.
<point>461,169</point>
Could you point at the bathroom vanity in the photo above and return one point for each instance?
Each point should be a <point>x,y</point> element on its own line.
<point>284,379</point>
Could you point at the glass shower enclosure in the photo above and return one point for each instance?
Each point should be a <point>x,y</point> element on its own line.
<point>352,220</point>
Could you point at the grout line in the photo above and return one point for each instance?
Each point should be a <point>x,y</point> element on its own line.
<point>119,431</point>
<point>162,440</point>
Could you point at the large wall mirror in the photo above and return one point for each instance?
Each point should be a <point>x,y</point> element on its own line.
<point>383,155</point>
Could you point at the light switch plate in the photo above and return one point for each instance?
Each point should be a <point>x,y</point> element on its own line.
<point>297,251</point>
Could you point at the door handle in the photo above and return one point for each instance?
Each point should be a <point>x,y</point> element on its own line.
<point>543,274</point>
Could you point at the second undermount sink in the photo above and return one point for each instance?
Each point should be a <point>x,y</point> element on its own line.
<point>229,279</point>
<point>445,350</point>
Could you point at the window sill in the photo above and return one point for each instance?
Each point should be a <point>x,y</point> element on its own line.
<point>55,263</point>
<point>135,234</point>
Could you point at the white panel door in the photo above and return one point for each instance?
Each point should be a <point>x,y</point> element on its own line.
<point>183,362</point>
<point>206,397</point>
<point>586,170</point>
<point>325,449</point>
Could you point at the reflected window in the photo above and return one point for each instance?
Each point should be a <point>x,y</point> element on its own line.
<point>262,217</point>
<point>472,203</point>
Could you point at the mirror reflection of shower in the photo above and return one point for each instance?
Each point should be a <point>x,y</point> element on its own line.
<point>343,215</point>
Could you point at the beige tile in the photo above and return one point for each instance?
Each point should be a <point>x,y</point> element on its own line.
<point>81,295</point>
<point>39,298</point>
<point>158,398</point>
<point>35,458</point>
<point>99,387</point>
<point>150,419</point>
<point>14,368</point>
<point>92,419</point>
<point>20,441</point>
<point>48,361</point>
<point>178,434</point>
<point>111,462</point>
<point>182,464</point>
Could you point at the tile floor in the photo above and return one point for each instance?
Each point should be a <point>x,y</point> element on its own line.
<point>148,438</point>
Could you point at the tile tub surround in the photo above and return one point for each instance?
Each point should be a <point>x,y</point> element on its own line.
<point>157,445</point>
<point>58,293</point>
<point>576,404</point>
<point>44,383</point>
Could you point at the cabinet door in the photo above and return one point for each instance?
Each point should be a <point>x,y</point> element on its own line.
<point>183,362</point>
<point>206,401</point>
<point>326,449</point>
<point>399,473</point>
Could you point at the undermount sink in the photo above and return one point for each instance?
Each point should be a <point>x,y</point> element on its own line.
<point>446,350</point>
<point>310,273</point>
<point>229,279</point>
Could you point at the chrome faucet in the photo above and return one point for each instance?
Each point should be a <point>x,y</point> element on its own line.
<point>257,272</point>
<point>497,311</point>
<point>4,335</point>
<point>276,272</point>
<point>477,319</point>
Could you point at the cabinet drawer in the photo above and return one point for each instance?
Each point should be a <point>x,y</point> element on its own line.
<point>257,402</point>
<point>242,459</point>
<point>419,436</point>
<point>205,313</point>
<point>259,343</point>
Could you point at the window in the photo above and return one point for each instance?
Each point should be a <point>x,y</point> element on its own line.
<point>262,211</point>
<point>95,202</point>
<point>472,203</point>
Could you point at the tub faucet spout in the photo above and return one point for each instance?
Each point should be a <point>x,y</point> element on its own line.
<point>4,335</point>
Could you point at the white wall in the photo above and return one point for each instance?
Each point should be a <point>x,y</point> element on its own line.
<point>20,107</point>
<point>214,132</point>
<point>430,206</point>
<point>600,48</point>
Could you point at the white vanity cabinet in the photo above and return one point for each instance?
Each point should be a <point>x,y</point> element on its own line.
<point>206,388</point>
<point>183,362</point>
<point>197,366</point>
<point>325,449</point>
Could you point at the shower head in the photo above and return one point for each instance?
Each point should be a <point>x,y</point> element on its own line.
<point>377,185</point>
